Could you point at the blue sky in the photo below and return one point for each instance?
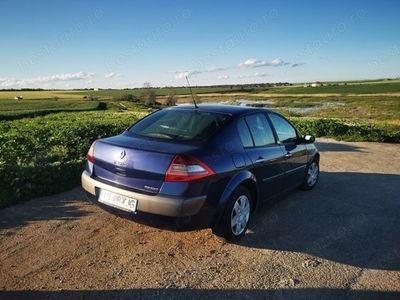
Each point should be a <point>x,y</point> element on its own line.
<point>73,44</point>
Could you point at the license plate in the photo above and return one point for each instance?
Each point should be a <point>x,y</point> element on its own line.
<point>117,201</point>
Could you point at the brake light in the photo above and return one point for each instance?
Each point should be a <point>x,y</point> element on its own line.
<point>186,168</point>
<point>90,154</point>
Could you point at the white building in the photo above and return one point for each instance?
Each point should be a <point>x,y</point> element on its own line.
<point>316,84</point>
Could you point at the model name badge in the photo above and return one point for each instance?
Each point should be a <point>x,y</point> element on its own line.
<point>151,188</point>
<point>120,163</point>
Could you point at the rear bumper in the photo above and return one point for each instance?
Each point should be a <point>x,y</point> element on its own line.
<point>164,205</point>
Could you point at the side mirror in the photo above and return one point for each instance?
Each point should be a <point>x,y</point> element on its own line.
<point>308,139</point>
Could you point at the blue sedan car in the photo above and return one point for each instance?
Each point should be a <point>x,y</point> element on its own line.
<point>217,161</point>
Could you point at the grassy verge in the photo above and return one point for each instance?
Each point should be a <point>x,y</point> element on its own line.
<point>44,155</point>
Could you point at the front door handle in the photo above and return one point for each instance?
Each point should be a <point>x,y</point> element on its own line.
<point>261,160</point>
<point>288,155</point>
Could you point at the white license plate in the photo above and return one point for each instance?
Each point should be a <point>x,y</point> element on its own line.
<point>118,201</point>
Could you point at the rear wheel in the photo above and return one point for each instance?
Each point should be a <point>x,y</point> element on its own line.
<point>312,174</point>
<point>237,213</point>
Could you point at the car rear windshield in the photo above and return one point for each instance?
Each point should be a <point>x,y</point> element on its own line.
<point>180,124</point>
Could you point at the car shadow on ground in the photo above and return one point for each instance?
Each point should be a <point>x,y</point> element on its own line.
<point>338,147</point>
<point>350,218</point>
<point>171,293</point>
<point>58,207</point>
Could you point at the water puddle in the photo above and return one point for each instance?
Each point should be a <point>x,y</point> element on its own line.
<point>301,109</point>
<point>274,104</point>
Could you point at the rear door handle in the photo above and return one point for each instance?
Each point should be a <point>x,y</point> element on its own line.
<point>288,155</point>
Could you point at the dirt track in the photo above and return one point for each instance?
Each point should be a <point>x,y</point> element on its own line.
<point>341,240</point>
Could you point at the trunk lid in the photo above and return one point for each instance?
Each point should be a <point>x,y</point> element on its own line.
<point>136,163</point>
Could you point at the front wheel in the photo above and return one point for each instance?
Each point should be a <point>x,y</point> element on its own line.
<point>312,174</point>
<point>237,213</point>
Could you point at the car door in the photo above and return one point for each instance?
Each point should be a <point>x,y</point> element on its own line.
<point>295,153</point>
<point>266,155</point>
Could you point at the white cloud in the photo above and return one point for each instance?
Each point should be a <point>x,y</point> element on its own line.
<point>183,74</point>
<point>11,82</point>
<point>189,73</point>
<point>247,64</point>
<point>257,74</point>
<point>111,75</point>
<point>255,63</point>
<point>252,63</point>
<point>277,62</point>
<point>217,69</point>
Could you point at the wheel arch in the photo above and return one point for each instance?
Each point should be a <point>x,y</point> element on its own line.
<point>313,153</point>
<point>244,178</point>
<point>316,156</point>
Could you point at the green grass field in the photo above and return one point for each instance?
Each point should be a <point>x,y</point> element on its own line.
<point>359,100</point>
<point>367,101</point>
<point>339,88</point>
<point>15,109</point>
<point>108,94</point>
<point>37,95</point>
<point>351,88</point>
<point>159,91</point>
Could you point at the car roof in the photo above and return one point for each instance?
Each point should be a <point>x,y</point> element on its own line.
<point>234,110</point>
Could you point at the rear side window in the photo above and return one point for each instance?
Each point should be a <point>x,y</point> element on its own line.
<point>180,124</point>
<point>284,130</point>
<point>260,130</point>
<point>244,134</point>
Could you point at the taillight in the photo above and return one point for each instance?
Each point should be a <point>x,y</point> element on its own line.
<point>186,168</point>
<point>90,154</point>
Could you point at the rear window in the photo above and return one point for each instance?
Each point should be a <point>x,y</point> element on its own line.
<point>180,124</point>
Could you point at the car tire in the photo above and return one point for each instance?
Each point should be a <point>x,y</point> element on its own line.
<point>236,217</point>
<point>311,176</point>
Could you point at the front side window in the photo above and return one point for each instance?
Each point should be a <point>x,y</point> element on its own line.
<point>260,130</point>
<point>284,130</point>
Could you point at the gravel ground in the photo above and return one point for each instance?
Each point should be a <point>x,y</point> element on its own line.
<point>340,240</point>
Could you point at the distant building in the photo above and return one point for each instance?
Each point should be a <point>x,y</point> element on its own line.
<point>95,89</point>
<point>316,84</point>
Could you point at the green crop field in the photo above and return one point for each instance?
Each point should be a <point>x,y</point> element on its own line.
<point>340,88</point>
<point>15,109</point>
<point>256,90</point>
<point>110,93</point>
<point>159,91</point>
<point>37,95</point>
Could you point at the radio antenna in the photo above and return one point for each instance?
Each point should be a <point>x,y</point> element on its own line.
<point>191,92</point>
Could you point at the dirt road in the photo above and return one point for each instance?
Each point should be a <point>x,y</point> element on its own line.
<point>341,240</point>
